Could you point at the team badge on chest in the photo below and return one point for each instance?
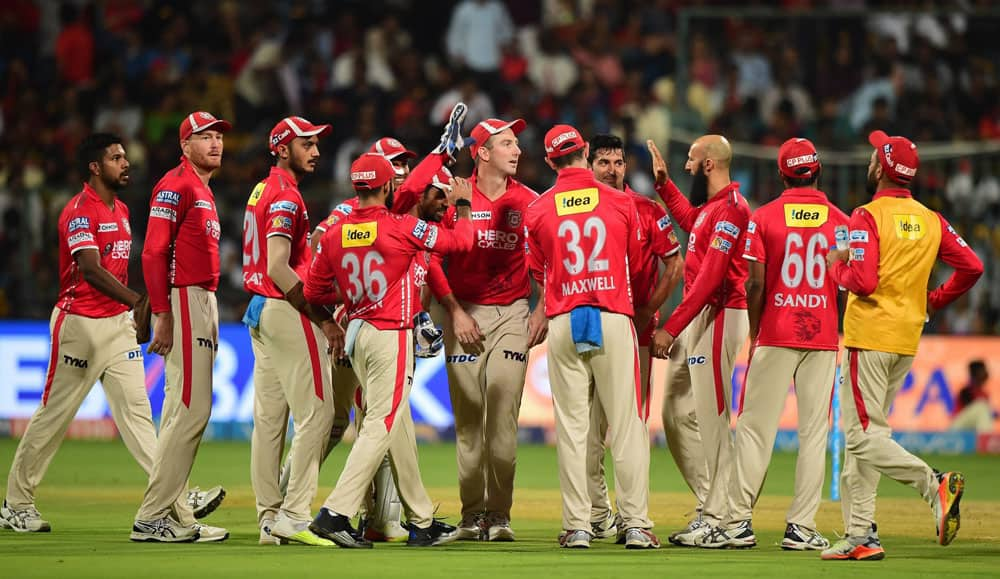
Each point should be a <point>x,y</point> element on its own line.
<point>513,218</point>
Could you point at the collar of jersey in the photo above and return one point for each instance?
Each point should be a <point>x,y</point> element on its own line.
<point>893,192</point>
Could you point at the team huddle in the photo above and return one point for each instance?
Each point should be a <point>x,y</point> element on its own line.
<point>337,315</point>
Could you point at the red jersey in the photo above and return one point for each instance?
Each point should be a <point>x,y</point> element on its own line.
<point>658,242</point>
<point>494,271</point>
<point>275,207</point>
<point>584,241</point>
<point>377,258</point>
<point>87,223</point>
<point>182,238</point>
<point>791,236</point>
<point>712,277</point>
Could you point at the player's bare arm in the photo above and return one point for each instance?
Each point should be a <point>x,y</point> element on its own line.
<point>163,334</point>
<point>755,297</point>
<point>662,343</point>
<point>665,284</point>
<point>538,324</point>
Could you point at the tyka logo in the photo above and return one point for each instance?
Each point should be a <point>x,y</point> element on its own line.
<point>74,362</point>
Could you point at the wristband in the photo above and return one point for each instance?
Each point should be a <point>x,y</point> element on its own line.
<point>463,203</point>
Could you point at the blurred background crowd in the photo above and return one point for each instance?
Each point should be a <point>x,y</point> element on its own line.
<point>659,69</point>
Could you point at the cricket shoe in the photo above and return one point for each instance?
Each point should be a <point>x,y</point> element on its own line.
<point>498,529</point>
<point>690,535</point>
<point>864,548</point>
<point>636,538</point>
<point>204,503</point>
<point>607,528</point>
<point>951,485</point>
<point>297,532</point>
<point>163,530</point>
<point>800,538</point>
<point>266,538</point>
<point>388,533</point>
<point>739,536</point>
<point>209,534</point>
<point>438,533</point>
<point>575,540</point>
<point>471,527</point>
<point>337,528</point>
<point>27,520</point>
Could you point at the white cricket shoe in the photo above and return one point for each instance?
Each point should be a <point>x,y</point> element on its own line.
<point>692,534</point>
<point>163,530</point>
<point>204,503</point>
<point>27,520</point>
<point>209,534</point>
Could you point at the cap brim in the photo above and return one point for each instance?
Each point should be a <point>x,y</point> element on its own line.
<point>318,130</point>
<point>404,153</point>
<point>878,138</point>
<point>517,125</point>
<point>217,125</point>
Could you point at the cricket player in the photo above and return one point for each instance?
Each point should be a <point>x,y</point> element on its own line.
<point>710,324</point>
<point>583,248</point>
<point>489,331</point>
<point>894,243</point>
<point>180,261</point>
<point>659,245</point>
<point>291,368</point>
<point>374,259</point>
<point>792,307</point>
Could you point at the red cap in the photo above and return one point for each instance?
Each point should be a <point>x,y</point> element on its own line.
<point>486,129</point>
<point>285,131</point>
<point>797,158</point>
<point>391,148</point>
<point>199,121</point>
<point>442,180</point>
<point>898,156</point>
<point>562,140</point>
<point>371,171</point>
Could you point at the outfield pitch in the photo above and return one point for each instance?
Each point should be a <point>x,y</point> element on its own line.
<point>92,490</point>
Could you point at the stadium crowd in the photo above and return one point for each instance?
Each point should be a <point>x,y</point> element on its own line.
<point>395,67</point>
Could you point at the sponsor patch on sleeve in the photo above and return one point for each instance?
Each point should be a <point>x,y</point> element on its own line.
<point>858,254</point>
<point>163,213</point>
<point>958,238</point>
<point>859,235</point>
<point>82,237</point>
<point>288,206</point>
<point>344,208</point>
<point>663,222</point>
<point>79,223</point>
<point>728,228</point>
<point>168,197</point>
<point>721,244</point>
<point>746,247</point>
<point>752,227</point>
<point>202,204</point>
<point>432,237</point>
<point>281,223</point>
<point>420,229</point>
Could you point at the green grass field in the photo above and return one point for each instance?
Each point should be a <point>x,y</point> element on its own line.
<point>92,490</point>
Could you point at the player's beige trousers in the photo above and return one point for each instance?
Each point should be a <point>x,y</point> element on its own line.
<point>383,362</point>
<point>614,371</point>
<point>869,382</point>
<point>771,371</point>
<point>187,401</point>
<point>701,362</point>
<point>486,390</point>
<point>291,373</point>
<point>83,351</point>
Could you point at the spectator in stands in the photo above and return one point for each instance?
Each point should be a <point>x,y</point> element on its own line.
<point>972,407</point>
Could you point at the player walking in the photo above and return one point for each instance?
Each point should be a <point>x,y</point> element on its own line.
<point>291,370</point>
<point>582,236</point>
<point>710,324</point>
<point>792,306</point>
<point>374,258</point>
<point>894,243</point>
<point>180,261</point>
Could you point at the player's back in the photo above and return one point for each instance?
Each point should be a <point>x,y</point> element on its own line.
<point>791,237</point>
<point>587,233</point>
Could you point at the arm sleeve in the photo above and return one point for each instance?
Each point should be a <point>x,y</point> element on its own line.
<point>425,236</point>
<point>860,274</point>
<point>436,278</point>
<point>416,183</point>
<point>535,260</point>
<point>711,274</point>
<point>663,240</point>
<point>753,249</point>
<point>166,210</point>
<point>81,233</point>
<point>321,284</point>
<point>680,208</point>
<point>955,252</point>
<point>281,217</point>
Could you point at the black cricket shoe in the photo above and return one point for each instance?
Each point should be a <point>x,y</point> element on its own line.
<point>438,533</point>
<point>338,529</point>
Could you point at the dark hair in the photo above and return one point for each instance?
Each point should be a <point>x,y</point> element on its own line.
<point>803,181</point>
<point>91,150</point>
<point>568,159</point>
<point>604,141</point>
<point>977,366</point>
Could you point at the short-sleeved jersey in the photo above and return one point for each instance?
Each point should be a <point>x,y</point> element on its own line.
<point>376,259</point>
<point>275,207</point>
<point>87,223</point>
<point>894,243</point>
<point>791,236</point>
<point>494,271</point>
<point>658,241</point>
<point>583,238</point>
<point>714,274</point>
<point>182,237</point>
